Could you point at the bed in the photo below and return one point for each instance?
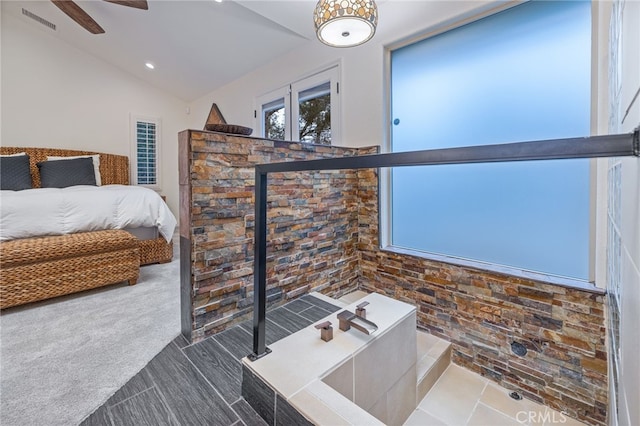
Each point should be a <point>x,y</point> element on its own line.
<point>77,237</point>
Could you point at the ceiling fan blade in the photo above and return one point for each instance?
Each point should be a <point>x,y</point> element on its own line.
<point>74,12</point>
<point>138,4</point>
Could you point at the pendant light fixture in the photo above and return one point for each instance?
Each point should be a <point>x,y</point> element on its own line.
<point>345,23</point>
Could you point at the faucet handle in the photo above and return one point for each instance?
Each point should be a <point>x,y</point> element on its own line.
<point>326,331</point>
<point>360,310</point>
<point>323,325</point>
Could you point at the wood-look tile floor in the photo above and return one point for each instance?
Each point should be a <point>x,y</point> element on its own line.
<point>200,384</point>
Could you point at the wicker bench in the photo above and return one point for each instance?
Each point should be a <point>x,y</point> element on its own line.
<point>41,268</point>
<point>155,251</point>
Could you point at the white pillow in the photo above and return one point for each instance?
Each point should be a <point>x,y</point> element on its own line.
<point>14,155</point>
<point>96,164</point>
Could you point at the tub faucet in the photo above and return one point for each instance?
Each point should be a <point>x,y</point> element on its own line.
<point>347,319</point>
<point>361,311</point>
<point>326,331</point>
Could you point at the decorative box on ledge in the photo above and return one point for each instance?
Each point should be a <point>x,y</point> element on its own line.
<point>217,123</point>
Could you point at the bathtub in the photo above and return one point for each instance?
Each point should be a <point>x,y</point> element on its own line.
<point>353,379</point>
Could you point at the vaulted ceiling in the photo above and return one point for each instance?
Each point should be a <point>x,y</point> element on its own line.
<point>196,46</point>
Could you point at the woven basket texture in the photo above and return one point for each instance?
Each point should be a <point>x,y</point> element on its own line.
<point>41,268</point>
<point>155,251</point>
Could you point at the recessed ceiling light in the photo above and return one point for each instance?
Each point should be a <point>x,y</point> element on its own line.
<point>218,1</point>
<point>149,65</point>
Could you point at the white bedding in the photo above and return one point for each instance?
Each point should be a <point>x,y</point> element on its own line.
<point>58,211</point>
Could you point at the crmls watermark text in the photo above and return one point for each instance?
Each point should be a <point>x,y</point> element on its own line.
<point>541,417</point>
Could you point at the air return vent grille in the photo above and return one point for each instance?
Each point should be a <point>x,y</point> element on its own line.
<point>38,19</point>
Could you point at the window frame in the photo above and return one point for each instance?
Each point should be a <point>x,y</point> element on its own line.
<point>597,242</point>
<point>290,93</point>
<point>283,92</point>
<point>133,166</point>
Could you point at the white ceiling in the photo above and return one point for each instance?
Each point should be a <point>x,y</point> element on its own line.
<point>196,46</point>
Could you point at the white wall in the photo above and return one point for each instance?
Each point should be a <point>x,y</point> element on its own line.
<point>54,95</point>
<point>363,105</point>
<point>624,114</point>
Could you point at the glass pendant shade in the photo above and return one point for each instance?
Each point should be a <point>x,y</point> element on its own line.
<point>345,23</point>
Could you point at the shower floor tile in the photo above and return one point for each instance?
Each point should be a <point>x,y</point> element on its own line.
<point>463,398</point>
<point>454,396</point>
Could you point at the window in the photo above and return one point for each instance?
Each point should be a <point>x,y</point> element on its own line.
<point>273,113</point>
<point>307,110</point>
<point>275,107</point>
<point>522,74</point>
<point>145,151</point>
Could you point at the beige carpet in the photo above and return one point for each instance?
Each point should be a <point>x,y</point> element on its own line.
<point>61,359</point>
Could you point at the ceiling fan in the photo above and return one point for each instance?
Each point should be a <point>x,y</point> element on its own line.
<point>76,13</point>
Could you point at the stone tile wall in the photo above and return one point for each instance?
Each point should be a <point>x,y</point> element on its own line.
<point>312,226</point>
<point>482,313</point>
<point>323,235</point>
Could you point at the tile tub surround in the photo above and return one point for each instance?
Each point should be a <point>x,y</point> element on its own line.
<point>312,223</point>
<point>382,368</point>
<point>381,378</point>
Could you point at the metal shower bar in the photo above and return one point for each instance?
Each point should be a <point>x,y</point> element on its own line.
<point>622,145</point>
